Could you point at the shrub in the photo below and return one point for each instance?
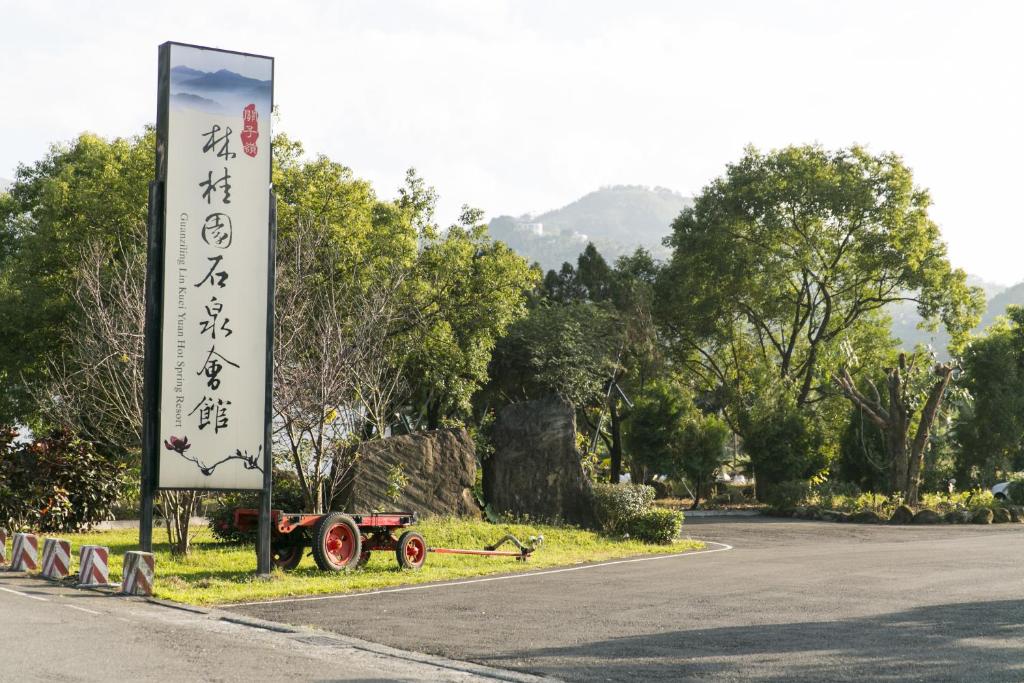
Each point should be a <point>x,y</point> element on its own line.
<point>657,525</point>
<point>785,445</point>
<point>616,504</point>
<point>1015,492</point>
<point>56,483</point>
<point>786,494</point>
<point>221,517</point>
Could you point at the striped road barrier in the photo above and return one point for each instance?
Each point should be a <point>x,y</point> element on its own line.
<point>24,553</point>
<point>93,566</point>
<point>137,577</point>
<point>56,558</point>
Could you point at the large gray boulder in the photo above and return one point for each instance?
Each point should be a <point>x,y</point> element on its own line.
<point>535,469</point>
<point>440,467</point>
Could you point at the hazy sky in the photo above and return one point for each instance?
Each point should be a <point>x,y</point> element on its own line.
<point>525,106</point>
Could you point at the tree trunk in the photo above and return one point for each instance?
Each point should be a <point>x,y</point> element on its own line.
<point>616,449</point>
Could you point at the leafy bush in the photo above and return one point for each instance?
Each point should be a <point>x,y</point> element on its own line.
<point>1015,492</point>
<point>785,445</point>
<point>786,494</point>
<point>287,496</point>
<point>657,525</point>
<point>616,504</point>
<point>56,483</point>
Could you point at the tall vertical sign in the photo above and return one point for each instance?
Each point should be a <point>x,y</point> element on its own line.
<point>210,286</point>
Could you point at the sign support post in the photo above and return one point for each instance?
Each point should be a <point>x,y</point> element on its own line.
<point>263,559</point>
<point>151,366</point>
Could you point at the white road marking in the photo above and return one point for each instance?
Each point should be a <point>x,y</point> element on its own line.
<point>81,609</point>
<point>24,595</point>
<point>508,577</point>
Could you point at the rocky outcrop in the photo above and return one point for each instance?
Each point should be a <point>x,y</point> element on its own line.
<point>927,516</point>
<point>535,469</point>
<point>957,517</point>
<point>902,515</point>
<point>438,470</point>
<point>982,516</point>
<point>866,517</point>
<point>1001,516</point>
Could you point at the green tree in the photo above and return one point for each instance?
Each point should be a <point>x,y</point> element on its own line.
<point>990,428</point>
<point>787,253</point>
<point>667,434</point>
<point>566,349</point>
<point>86,191</point>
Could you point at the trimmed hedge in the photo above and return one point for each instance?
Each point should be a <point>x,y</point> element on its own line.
<point>616,504</point>
<point>657,525</point>
<point>627,510</point>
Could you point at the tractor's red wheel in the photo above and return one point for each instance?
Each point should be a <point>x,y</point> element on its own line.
<point>286,555</point>
<point>338,544</point>
<point>364,557</point>
<point>411,550</point>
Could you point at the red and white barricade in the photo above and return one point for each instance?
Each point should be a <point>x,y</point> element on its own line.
<point>56,558</point>
<point>93,566</point>
<point>3,546</point>
<point>137,577</point>
<point>24,553</point>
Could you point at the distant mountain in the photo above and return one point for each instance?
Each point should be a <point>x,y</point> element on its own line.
<point>616,219</point>
<point>997,304</point>
<point>4,184</point>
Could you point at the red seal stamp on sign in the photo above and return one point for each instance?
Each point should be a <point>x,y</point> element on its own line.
<point>250,130</point>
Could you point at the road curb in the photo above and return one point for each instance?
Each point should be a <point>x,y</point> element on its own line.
<point>722,513</point>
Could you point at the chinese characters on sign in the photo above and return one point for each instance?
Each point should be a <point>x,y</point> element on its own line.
<point>214,361</point>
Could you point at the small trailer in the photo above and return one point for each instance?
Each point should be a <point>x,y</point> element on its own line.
<point>342,541</point>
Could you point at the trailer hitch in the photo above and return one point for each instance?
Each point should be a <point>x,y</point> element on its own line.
<point>522,552</point>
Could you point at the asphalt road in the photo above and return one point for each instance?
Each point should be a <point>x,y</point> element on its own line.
<point>793,600</point>
<point>53,633</point>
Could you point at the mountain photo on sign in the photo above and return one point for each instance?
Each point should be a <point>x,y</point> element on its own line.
<point>223,91</point>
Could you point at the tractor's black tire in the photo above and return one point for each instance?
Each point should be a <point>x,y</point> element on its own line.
<point>411,551</point>
<point>336,543</point>
<point>286,555</point>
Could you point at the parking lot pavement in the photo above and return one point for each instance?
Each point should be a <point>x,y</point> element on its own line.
<point>794,600</point>
<point>49,632</point>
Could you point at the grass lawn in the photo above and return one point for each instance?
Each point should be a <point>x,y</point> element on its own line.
<point>217,573</point>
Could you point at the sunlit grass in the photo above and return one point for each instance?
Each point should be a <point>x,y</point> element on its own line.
<point>217,572</point>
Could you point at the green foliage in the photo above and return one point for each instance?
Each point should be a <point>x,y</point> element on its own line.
<point>657,525</point>
<point>85,190</point>
<point>397,481</point>
<point>786,257</point>
<point>863,457</point>
<point>785,495</point>
<point>990,427</point>
<point>565,349</point>
<point>785,445</point>
<point>617,504</point>
<point>669,435</point>
<point>56,483</point>
<point>1015,491</point>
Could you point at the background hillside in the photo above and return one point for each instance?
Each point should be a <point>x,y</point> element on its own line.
<point>616,219</point>
<point>620,218</point>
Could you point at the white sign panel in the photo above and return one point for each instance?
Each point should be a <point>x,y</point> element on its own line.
<point>213,370</point>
